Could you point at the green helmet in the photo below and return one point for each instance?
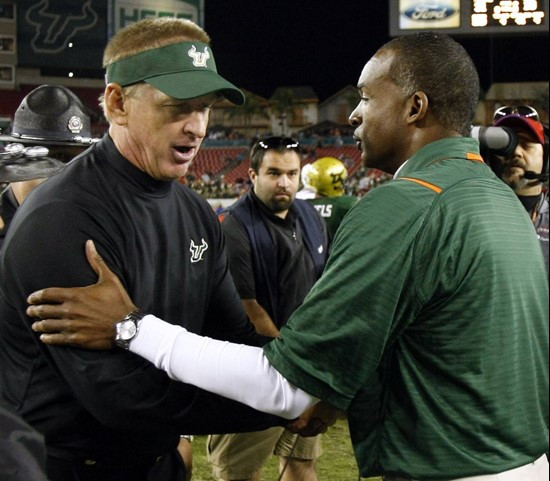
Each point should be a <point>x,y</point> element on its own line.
<point>328,175</point>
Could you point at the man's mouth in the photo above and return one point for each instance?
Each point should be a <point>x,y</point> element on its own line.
<point>516,166</point>
<point>184,153</point>
<point>358,142</point>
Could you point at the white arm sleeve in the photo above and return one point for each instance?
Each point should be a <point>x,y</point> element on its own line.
<point>235,371</point>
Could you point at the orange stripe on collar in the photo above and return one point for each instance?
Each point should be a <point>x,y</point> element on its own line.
<point>435,188</point>
<point>475,157</point>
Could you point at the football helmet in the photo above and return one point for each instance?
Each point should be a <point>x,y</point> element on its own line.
<point>328,175</point>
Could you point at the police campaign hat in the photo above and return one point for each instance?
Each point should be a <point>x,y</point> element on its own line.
<point>51,115</point>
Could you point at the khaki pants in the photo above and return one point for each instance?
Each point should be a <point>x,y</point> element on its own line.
<point>535,471</point>
<point>243,455</point>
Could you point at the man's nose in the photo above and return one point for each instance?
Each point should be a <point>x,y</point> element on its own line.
<point>284,180</point>
<point>197,123</point>
<point>354,118</point>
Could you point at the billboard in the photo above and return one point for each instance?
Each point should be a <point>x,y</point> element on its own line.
<point>61,33</point>
<point>68,35</point>
<point>125,12</point>
<point>469,17</point>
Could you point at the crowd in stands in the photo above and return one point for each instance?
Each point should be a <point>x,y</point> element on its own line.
<point>216,187</point>
<point>221,172</point>
<point>364,180</point>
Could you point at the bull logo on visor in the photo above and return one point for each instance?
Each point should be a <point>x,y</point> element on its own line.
<point>199,58</point>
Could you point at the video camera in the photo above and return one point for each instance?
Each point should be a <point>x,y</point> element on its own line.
<point>503,141</point>
<point>499,140</point>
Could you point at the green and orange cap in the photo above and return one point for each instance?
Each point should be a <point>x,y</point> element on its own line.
<point>182,70</point>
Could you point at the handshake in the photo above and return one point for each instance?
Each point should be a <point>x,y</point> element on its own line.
<point>316,420</point>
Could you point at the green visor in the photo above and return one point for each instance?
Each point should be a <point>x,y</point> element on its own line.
<point>182,70</point>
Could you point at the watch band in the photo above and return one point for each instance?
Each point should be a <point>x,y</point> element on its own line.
<point>127,329</point>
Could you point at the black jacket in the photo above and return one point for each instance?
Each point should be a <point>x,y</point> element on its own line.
<point>8,207</point>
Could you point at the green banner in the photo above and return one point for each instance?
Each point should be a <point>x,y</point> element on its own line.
<point>61,34</point>
<point>125,12</point>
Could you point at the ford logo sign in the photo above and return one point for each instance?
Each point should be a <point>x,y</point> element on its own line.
<point>429,12</point>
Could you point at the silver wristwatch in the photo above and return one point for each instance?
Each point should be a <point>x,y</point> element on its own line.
<point>127,329</point>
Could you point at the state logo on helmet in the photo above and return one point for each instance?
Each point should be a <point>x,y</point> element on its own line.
<point>328,176</point>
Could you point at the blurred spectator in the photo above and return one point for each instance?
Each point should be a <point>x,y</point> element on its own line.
<point>307,191</point>
<point>364,180</point>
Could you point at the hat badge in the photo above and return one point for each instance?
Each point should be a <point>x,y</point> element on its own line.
<point>75,124</point>
<point>199,58</point>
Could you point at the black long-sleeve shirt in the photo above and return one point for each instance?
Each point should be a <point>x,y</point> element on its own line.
<point>166,244</point>
<point>8,207</point>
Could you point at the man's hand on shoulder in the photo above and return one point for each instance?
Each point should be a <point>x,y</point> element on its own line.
<point>82,316</point>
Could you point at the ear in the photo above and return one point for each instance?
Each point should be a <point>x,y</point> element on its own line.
<point>252,175</point>
<point>418,106</point>
<point>115,104</point>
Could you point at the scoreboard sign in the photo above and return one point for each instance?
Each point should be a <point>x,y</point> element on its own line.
<point>469,17</point>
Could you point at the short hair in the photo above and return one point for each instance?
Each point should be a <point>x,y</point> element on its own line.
<point>144,35</point>
<point>440,67</point>
<point>277,144</point>
<point>149,34</point>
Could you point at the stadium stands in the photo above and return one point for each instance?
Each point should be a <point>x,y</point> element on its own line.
<point>233,162</point>
<point>213,160</point>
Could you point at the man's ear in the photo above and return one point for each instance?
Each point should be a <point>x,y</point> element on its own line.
<point>418,106</point>
<point>252,175</point>
<point>115,104</point>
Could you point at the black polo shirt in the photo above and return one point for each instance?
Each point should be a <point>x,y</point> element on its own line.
<point>296,269</point>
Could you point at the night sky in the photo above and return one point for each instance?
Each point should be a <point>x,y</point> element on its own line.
<point>263,44</point>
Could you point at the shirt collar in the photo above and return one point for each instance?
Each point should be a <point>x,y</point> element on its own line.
<point>399,170</point>
<point>136,178</point>
<point>448,148</point>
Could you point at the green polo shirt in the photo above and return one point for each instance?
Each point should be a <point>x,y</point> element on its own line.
<point>429,325</point>
<point>333,210</point>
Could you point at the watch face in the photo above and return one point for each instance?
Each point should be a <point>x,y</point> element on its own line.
<point>127,330</point>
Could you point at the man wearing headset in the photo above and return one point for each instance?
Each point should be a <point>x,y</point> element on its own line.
<point>525,169</point>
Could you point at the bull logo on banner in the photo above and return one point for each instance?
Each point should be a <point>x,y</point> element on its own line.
<point>57,21</point>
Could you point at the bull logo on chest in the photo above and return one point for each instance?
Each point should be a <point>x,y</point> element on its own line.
<point>197,251</point>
